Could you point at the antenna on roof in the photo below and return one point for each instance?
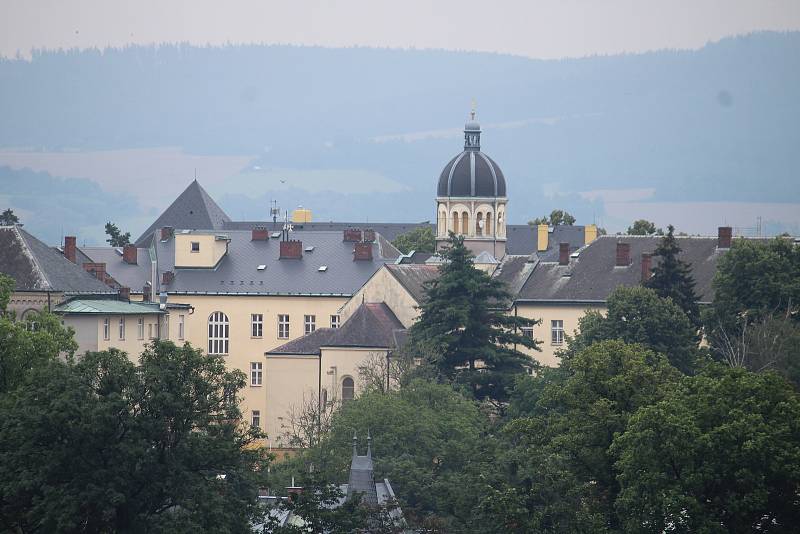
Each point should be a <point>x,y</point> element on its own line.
<point>274,212</point>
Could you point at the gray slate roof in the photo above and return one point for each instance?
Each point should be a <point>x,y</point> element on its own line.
<point>125,274</point>
<point>413,277</point>
<point>524,239</point>
<point>194,209</point>
<point>388,230</point>
<point>36,266</point>
<point>592,276</point>
<point>372,325</point>
<point>514,271</point>
<point>237,272</point>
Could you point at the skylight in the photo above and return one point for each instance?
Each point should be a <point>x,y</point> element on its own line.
<point>261,267</point>
<point>310,248</point>
<point>275,234</point>
<point>322,268</point>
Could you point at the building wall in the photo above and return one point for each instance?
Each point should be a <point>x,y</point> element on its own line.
<point>568,313</point>
<point>384,287</point>
<point>22,301</point>
<point>245,349</point>
<point>89,332</point>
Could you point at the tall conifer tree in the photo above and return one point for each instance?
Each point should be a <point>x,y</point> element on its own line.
<point>672,277</point>
<point>465,331</point>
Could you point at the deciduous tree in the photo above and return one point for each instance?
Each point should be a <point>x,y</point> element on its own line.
<point>420,239</point>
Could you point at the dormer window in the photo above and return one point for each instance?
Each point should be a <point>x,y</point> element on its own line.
<point>195,246</point>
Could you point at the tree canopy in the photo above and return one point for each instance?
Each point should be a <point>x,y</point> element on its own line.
<point>557,218</point>
<point>7,218</point>
<point>115,236</point>
<point>464,330</point>
<point>420,239</point>
<point>672,277</point>
<point>644,227</point>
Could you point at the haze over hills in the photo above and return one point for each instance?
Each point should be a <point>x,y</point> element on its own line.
<point>689,137</point>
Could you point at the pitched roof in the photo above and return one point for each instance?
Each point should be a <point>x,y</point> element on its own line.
<point>514,271</point>
<point>238,273</point>
<point>592,276</point>
<point>36,266</point>
<point>413,277</point>
<point>133,276</point>
<point>388,230</point>
<point>107,307</point>
<point>370,326</point>
<point>193,209</point>
<point>524,239</point>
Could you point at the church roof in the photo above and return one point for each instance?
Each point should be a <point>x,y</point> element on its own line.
<point>194,209</point>
<point>35,266</point>
<point>471,174</point>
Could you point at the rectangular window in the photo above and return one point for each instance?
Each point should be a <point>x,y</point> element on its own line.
<point>195,246</point>
<point>255,419</point>
<point>140,328</point>
<point>283,327</point>
<point>150,330</point>
<point>122,328</point>
<point>557,332</point>
<point>335,321</point>
<point>181,323</point>
<point>256,325</point>
<point>527,331</point>
<point>255,373</point>
<point>106,328</point>
<point>310,323</point>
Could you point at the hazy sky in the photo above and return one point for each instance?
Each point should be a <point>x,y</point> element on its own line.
<point>535,28</point>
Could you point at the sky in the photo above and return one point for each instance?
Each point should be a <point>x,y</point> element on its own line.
<point>545,29</point>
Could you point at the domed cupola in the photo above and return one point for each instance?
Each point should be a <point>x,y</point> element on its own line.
<point>471,197</point>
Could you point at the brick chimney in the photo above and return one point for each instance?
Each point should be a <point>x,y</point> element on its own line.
<point>623,254</point>
<point>362,251</point>
<point>98,270</point>
<point>125,293</point>
<point>129,253</point>
<point>260,233</point>
<point>369,235</point>
<point>70,248</point>
<point>291,250</point>
<point>647,264</point>
<point>167,277</point>
<point>166,232</point>
<point>352,235</point>
<point>563,253</point>
<point>724,237</point>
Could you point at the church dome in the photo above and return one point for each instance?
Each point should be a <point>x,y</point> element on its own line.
<point>472,173</point>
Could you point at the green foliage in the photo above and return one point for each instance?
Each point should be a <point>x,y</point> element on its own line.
<point>638,315</point>
<point>672,277</point>
<point>721,453</point>
<point>557,218</point>
<point>556,453</point>
<point>7,218</point>
<point>6,289</point>
<point>428,440</point>
<point>420,239</point>
<point>644,227</point>
<point>115,236</point>
<point>30,344</point>
<point>464,330</point>
<point>103,445</point>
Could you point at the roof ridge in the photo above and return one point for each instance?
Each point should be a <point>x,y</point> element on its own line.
<point>29,253</point>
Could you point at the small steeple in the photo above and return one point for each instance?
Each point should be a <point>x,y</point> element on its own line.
<point>472,132</point>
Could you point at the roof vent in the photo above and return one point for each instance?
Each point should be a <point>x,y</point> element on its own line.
<point>322,268</point>
<point>261,267</point>
<point>275,235</point>
<point>309,248</point>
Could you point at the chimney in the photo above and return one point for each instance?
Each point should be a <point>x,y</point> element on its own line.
<point>125,293</point>
<point>260,233</point>
<point>563,253</point>
<point>70,248</point>
<point>146,293</point>
<point>541,238</point>
<point>362,251</point>
<point>167,277</point>
<point>129,253</point>
<point>724,236</point>
<point>352,235</point>
<point>98,270</point>
<point>369,235</point>
<point>166,232</point>
<point>291,250</point>
<point>623,254</point>
<point>647,263</point>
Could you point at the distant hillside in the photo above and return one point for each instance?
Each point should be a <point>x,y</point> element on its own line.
<point>720,123</point>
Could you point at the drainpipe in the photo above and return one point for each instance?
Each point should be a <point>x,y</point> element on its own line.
<point>319,397</point>
<point>515,326</point>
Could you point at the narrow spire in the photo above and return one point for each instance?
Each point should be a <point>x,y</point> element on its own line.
<point>355,444</point>
<point>472,113</point>
<point>369,445</point>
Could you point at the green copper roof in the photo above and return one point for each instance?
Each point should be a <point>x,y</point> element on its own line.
<point>109,307</point>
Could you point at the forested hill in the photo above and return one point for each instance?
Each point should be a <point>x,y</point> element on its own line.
<point>719,123</point>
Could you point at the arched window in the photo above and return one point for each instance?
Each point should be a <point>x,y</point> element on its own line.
<point>442,223</point>
<point>479,224</point>
<point>455,222</point>
<point>465,223</point>
<point>218,330</point>
<point>489,223</point>
<point>348,389</point>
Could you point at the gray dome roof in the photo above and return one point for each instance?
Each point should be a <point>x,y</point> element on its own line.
<point>471,174</point>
